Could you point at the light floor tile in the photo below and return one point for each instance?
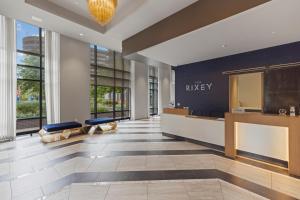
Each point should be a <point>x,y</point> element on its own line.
<point>251,173</point>
<point>193,162</point>
<point>126,197</point>
<point>286,184</point>
<point>127,189</point>
<point>88,192</point>
<point>61,195</point>
<point>232,192</point>
<point>5,190</point>
<point>4,169</point>
<point>104,164</point>
<point>168,197</point>
<point>222,164</point>
<point>132,163</point>
<point>159,188</point>
<point>29,195</point>
<point>204,190</point>
<point>33,181</point>
<point>159,163</point>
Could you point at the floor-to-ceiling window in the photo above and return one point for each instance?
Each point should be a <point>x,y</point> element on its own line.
<point>153,90</point>
<point>110,84</point>
<point>31,110</point>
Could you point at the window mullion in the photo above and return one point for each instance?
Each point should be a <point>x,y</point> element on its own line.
<point>95,83</point>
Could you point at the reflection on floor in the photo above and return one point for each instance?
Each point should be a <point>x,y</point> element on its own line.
<point>136,162</point>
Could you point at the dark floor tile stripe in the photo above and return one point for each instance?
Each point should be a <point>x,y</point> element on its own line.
<point>109,141</point>
<point>87,141</point>
<point>85,154</point>
<point>141,127</point>
<point>146,133</point>
<point>164,175</point>
<point>35,143</point>
<point>162,152</point>
<point>7,149</point>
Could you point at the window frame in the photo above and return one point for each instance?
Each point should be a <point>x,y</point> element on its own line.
<point>41,81</point>
<point>153,89</point>
<point>95,84</point>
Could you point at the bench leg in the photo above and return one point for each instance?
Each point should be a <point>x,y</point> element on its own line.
<point>66,133</point>
<point>42,132</point>
<point>92,130</point>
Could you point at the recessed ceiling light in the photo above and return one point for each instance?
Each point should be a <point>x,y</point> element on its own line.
<point>81,34</point>
<point>36,19</point>
<point>224,45</point>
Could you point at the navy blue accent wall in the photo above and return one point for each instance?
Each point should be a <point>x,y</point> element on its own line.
<point>192,80</point>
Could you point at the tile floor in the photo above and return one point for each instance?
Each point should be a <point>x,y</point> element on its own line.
<point>135,162</point>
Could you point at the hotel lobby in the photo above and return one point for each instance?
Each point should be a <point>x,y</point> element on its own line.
<point>149,100</point>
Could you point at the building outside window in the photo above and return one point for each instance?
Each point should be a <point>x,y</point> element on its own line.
<point>153,90</point>
<point>110,84</point>
<point>31,109</point>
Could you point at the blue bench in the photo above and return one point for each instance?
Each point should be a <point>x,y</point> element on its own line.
<point>61,126</point>
<point>59,131</point>
<point>96,123</point>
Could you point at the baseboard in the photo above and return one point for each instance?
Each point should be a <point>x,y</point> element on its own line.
<point>270,160</point>
<point>206,144</point>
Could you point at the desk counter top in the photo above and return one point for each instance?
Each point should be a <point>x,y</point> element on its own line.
<point>176,111</point>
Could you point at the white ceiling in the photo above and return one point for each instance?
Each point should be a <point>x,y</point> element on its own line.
<point>271,24</point>
<point>132,16</point>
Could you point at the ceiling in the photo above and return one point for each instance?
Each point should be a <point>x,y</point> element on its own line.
<point>270,24</point>
<point>132,16</point>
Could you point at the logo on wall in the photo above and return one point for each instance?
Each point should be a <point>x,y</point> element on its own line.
<point>199,86</point>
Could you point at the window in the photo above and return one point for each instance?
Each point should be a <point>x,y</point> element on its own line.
<point>31,110</point>
<point>110,84</point>
<point>153,90</point>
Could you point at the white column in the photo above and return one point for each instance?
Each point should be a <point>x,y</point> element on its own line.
<point>7,78</point>
<point>139,91</point>
<point>52,76</point>
<point>164,87</point>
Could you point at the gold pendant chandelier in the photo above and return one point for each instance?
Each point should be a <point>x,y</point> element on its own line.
<point>102,10</point>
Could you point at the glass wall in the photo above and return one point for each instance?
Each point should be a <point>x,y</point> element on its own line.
<point>31,110</point>
<point>153,90</point>
<point>110,84</point>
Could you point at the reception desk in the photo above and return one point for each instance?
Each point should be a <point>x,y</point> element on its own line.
<point>269,136</point>
<point>203,129</point>
<point>288,138</point>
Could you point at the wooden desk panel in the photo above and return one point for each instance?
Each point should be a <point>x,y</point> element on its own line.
<point>293,124</point>
<point>176,111</point>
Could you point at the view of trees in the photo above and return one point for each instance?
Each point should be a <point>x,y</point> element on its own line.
<point>28,87</point>
<point>105,98</point>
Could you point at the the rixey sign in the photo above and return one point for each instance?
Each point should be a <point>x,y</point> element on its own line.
<point>199,86</point>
